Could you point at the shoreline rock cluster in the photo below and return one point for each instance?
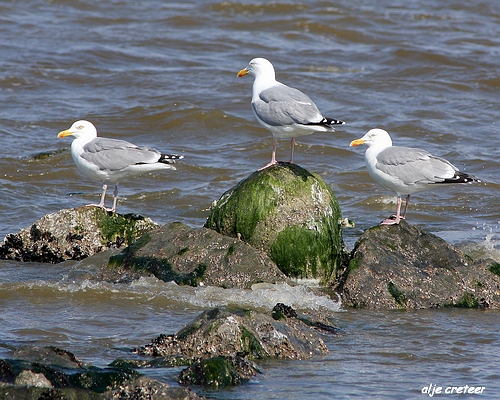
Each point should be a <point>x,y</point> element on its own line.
<point>279,224</point>
<point>219,348</point>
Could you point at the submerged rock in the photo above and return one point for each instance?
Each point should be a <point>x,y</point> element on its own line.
<point>255,335</point>
<point>52,373</point>
<point>218,372</point>
<point>289,213</point>
<point>402,266</point>
<point>73,234</point>
<point>220,347</point>
<point>194,256</point>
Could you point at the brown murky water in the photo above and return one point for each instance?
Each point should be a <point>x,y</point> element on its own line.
<point>163,74</point>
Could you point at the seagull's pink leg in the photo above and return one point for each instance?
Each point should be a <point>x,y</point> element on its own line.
<point>273,157</point>
<point>292,145</point>
<point>406,207</point>
<point>103,196</point>
<point>115,199</point>
<point>394,221</point>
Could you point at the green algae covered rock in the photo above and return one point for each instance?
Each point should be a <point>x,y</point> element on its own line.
<point>73,234</point>
<point>289,213</point>
<point>219,372</point>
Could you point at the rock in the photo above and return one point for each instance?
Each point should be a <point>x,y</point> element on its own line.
<point>33,392</point>
<point>48,355</point>
<point>226,333</point>
<point>150,389</point>
<point>218,372</point>
<point>30,378</point>
<point>45,378</point>
<point>289,213</point>
<point>194,256</point>
<point>220,346</point>
<point>402,266</point>
<point>73,234</point>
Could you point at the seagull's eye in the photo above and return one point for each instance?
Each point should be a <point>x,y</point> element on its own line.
<point>80,127</point>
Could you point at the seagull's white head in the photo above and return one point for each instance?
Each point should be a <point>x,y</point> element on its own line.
<point>259,67</point>
<point>377,137</point>
<point>80,129</point>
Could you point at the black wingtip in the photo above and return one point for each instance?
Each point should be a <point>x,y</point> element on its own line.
<point>462,177</point>
<point>327,122</point>
<point>331,121</point>
<point>169,158</point>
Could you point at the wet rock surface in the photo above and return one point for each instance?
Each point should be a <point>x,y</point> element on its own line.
<point>217,372</point>
<point>402,266</point>
<point>73,234</point>
<point>194,256</point>
<point>290,214</point>
<point>219,332</point>
<point>220,347</point>
<point>52,373</point>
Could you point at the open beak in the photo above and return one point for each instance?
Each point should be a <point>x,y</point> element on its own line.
<point>243,72</point>
<point>357,142</point>
<point>65,133</point>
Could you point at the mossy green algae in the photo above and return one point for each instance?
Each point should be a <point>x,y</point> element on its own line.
<point>117,227</point>
<point>289,213</point>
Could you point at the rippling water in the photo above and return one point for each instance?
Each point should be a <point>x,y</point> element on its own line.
<point>163,74</point>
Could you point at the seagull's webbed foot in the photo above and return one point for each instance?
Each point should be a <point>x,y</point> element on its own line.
<point>269,164</point>
<point>392,220</point>
<point>100,206</point>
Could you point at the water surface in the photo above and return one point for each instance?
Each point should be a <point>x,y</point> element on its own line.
<point>163,74</point>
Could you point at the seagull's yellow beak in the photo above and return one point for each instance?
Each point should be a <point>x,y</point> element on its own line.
<point>357,142</point>
<point>65,133</point>
<point>243,72</point>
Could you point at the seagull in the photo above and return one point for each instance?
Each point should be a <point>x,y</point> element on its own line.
<point>112,160</point>
<point>285,111</point>
<point>405,170</point>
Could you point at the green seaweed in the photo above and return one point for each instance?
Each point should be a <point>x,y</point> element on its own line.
<point>495,269</point>
<point>213,372</point>
<point>302,252</point>
<point>123,259</point>
<point>251,345</point>
<point>115,226</point>
<point>466,301</point>
<point>244,206</point>
<point>183,251</point>
<point>100,380</point>
<point>161,268</point>
<point>353,265</point>
<point>397,294</point>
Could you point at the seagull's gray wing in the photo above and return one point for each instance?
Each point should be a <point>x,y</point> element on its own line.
<point>283,105</point>
<point>414,166</point>
<point>114,154</point>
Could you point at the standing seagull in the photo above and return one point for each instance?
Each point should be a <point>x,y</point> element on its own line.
<point>285,111</point>
<point>405,170</point>
<point>112,160</point>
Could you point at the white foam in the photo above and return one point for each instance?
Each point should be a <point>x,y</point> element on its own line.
<point>262,295</point>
